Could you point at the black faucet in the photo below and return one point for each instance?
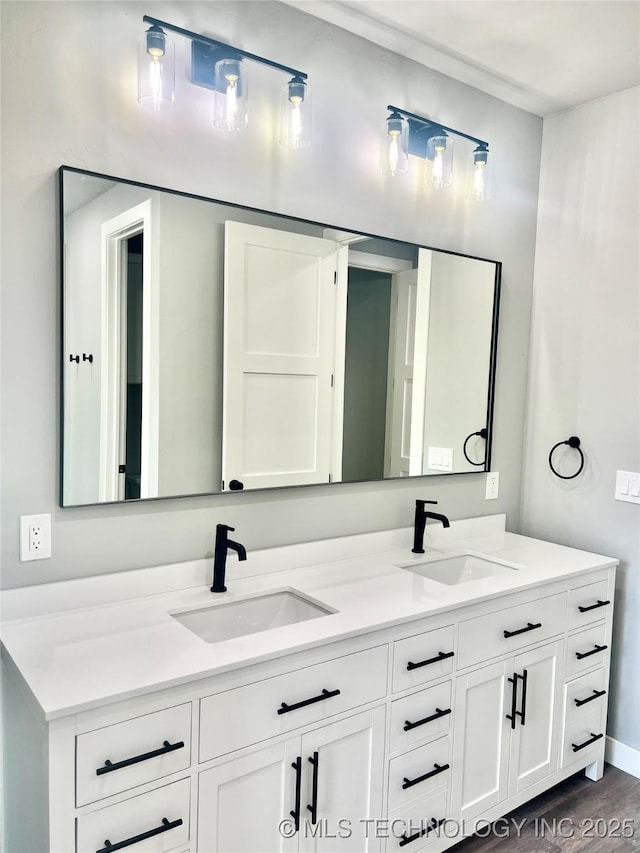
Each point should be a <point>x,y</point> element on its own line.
<point>220,555</point>
<point>420,522</point>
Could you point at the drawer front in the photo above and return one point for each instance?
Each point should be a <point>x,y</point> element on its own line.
<point>413,829</point>
<point>589,603</point>
<point>420,717</point>
<point>587,649</point>
<point>512,628</point>
<point>419,773</point>
<point>247,715</point>
<point>127,754</point>
<point>152,822</point>
<point>584,738</point>
<point>423,658</point>
<point>584,694</point>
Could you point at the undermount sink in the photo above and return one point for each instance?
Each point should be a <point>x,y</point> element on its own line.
<point>217,622</point>
<point>458,568</point>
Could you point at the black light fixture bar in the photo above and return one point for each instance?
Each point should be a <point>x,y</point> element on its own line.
<point>429,124</point>
<point>223,48</point>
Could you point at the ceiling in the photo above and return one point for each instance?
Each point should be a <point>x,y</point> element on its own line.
<point>541,55</point>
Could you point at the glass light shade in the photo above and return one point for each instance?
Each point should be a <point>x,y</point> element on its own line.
<point>394,148</point>
<point>439,163</point>
<point>231,96</point>
<point>479,175</point>
<point>156,70</point>
<point>295,114</point>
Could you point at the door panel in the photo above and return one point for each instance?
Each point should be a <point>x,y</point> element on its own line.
<point>279,346</point>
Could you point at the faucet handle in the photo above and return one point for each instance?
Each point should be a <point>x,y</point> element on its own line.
<point>224,528</point>
<point>420,503</point>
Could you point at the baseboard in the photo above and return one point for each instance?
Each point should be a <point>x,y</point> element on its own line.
<point>622,756</point>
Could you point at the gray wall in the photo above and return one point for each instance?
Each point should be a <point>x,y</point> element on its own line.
<point>74,103</point>
<point>585,360</point>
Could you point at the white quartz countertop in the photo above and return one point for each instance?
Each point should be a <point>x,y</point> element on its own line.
<point>81,644</point>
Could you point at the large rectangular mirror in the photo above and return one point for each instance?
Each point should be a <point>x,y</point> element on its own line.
<point>209,347</point>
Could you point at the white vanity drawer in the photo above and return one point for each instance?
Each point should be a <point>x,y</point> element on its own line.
<point>159,819</point>
<point>589,603</point>
<point>587,649</point>
<point>247,715</point>
<point>423,658</point>
<point>583,694</point>
<point>512,628</point>
<point>121,756</point>
<point>418,773</point>
<point>416,827</point>
<point>584,737</point>
<point>421,716</point>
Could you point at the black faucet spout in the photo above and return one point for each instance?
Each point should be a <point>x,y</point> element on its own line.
<point>420,522</point>
<point>222,546</point>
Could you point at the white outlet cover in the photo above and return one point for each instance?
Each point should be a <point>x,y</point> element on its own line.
<point>493,486</point>
<point>43,552</point>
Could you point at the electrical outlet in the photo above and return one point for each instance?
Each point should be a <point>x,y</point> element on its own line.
<point>493,485</point>
<point>35,537</point>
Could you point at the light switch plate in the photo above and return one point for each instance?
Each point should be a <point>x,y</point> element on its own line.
<point>628,487</point>
<point>440,459</point>
<point>35,537</point>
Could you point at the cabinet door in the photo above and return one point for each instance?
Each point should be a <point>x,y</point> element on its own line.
<point>481,742</point>
<point>535,739</point>
<point>348,771</point>
<point>242,802</point>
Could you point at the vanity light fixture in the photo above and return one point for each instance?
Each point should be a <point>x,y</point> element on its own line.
<point>223,68</point>
<point>406,133</point>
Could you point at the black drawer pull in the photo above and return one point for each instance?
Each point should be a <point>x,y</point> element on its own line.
<point>326,694</point>
<point>313,806</point>
<point>530,627</point>
<point>593,606</point>
<point>118,765</point>
<point>576,747</point>
<point>166,826</point>
<point>407,839</point>
<point>595,695</point>
<point>440,656</point>
<point>594,651</point>
<point>408,726</point>
<point>438,768</point>
<point>295,814</point>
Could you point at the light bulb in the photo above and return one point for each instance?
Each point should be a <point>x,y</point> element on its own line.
<point>231,87</point>
<point>394,158</point>
<point>479,175</point>
<point>295,114</point>
<point>156,70</point>
<point>439,161</point>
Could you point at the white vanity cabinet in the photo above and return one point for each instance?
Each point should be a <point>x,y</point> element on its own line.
<point>379,741</point>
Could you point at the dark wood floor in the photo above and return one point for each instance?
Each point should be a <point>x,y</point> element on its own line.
<point>580,812</point>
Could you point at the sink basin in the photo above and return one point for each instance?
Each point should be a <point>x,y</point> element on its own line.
<point>458,568</point>
<point>250,615</point>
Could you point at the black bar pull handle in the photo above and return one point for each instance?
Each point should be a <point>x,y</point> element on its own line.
<point>531,626</point>
<point>523,706</point>
<point>119,845</point>
<point>110,766</point>
<point>407,839</point>
<point>75,358</point>
<point>514,698</point>
<point>326,694</point>
<point>295,814</point>
<point>408,726</point>
<point>438,768</point>
<point>593,651</point>
<point>576,747</point>
<point>440,656</point>
<point>593,606</point>
<point>595,695</point>
<point>313,808</point>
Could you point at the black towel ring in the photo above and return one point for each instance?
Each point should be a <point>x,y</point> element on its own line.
<point>483,434</point>
<point>574,442</point>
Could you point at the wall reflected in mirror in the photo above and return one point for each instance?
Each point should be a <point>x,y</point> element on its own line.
<point>209,347</point>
